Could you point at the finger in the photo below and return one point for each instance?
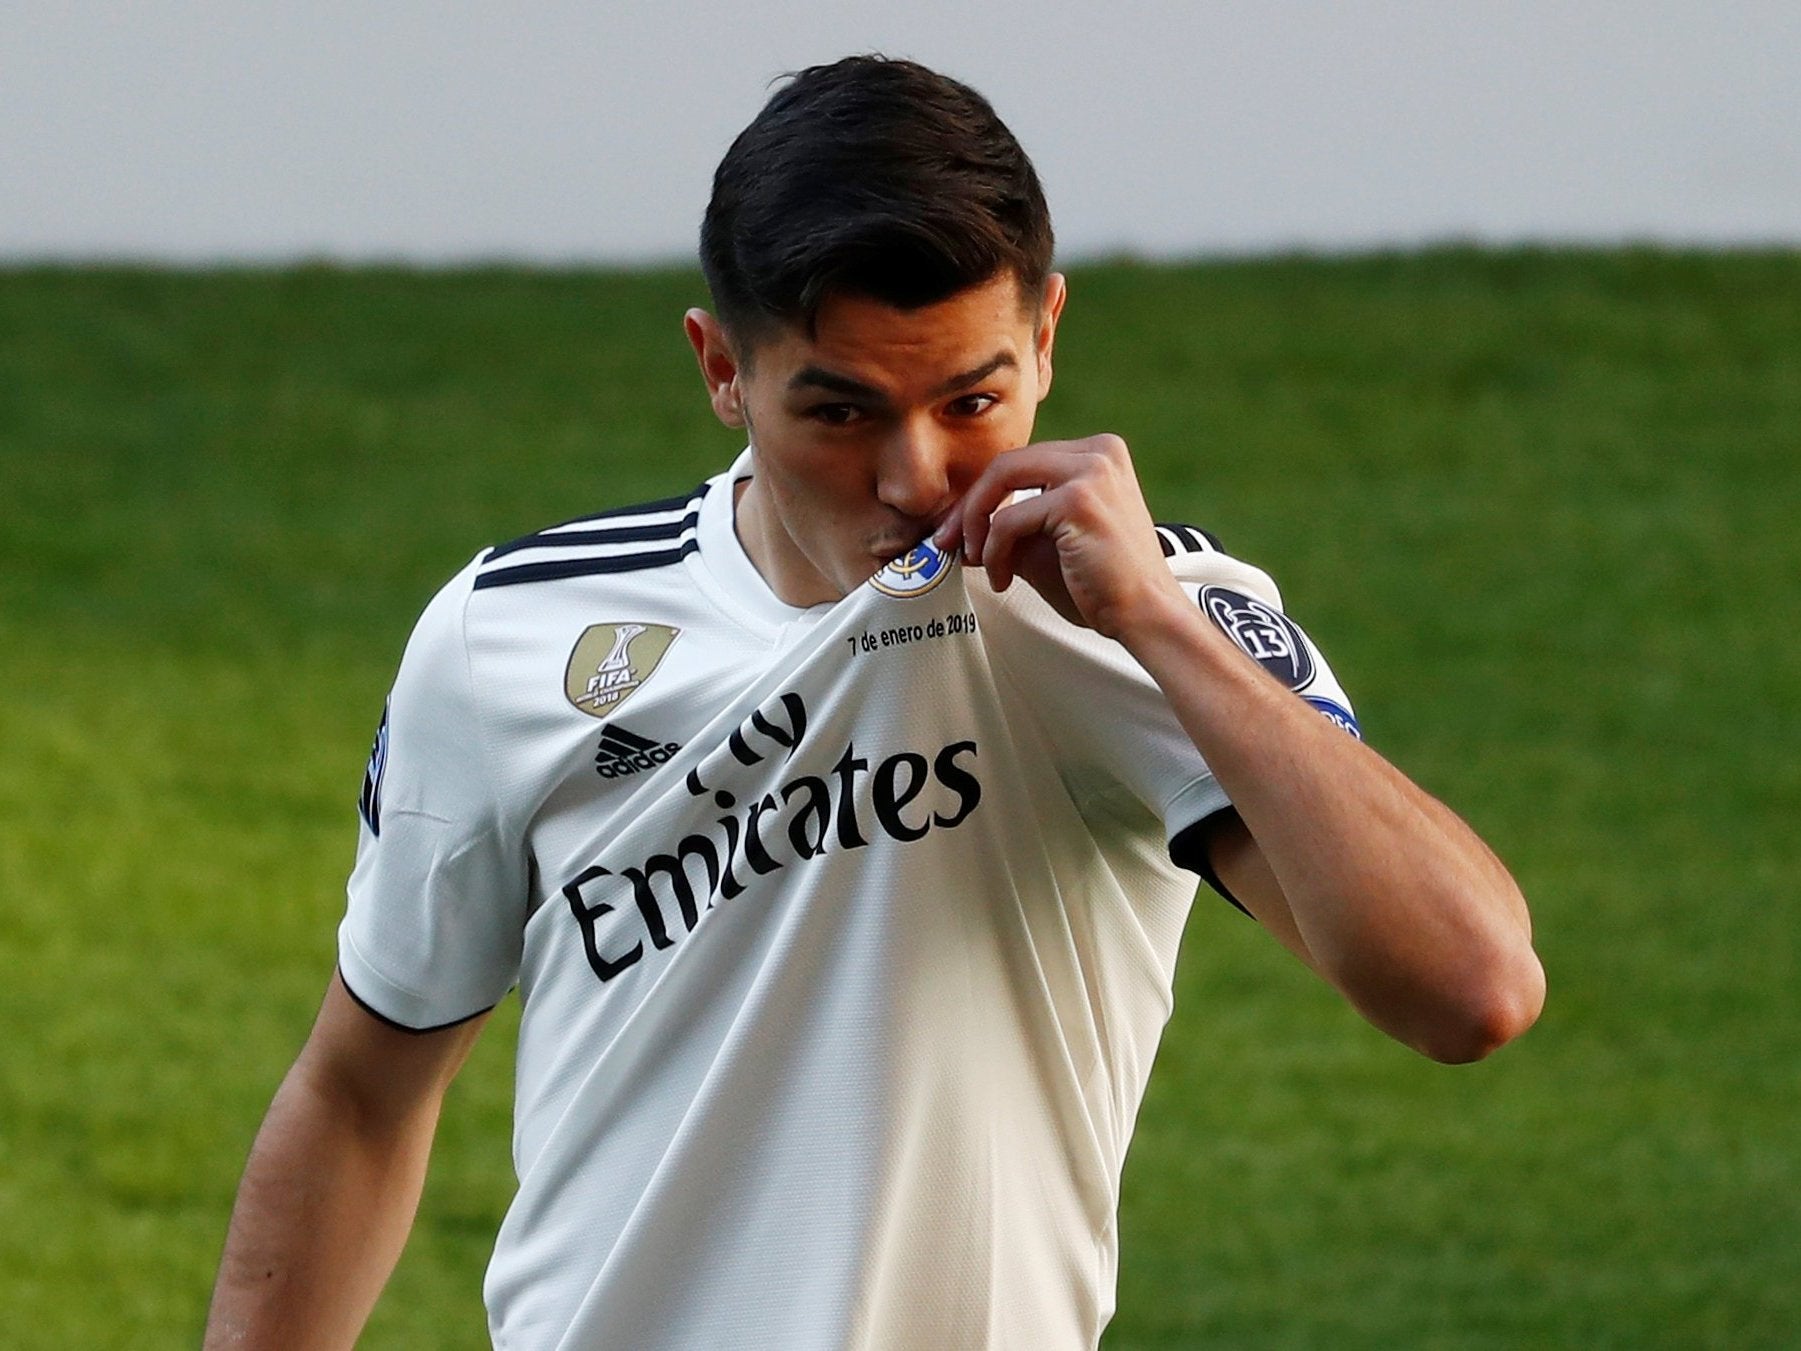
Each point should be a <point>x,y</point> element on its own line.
<point>1043,466</point>
<point>1008,526</point>
<point>949,532</point>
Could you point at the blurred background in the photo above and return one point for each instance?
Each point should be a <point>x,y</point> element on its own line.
<point>1478,326</point>
<point>202,131</point>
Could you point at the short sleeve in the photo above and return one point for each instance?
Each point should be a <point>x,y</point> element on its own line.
<point>1109,720</point>
<point>433,929</point>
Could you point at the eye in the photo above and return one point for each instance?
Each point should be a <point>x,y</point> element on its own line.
<point>834,414</point>
<point>973,405</point>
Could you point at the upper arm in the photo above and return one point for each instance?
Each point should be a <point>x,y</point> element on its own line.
<point>436,904</point>
<point>386,1075</point>
<point>1238,862</point>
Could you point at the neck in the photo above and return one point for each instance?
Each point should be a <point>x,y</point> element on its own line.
<point>773,552</point>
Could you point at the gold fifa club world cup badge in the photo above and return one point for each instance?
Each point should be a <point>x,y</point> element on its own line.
<point>611,661</point>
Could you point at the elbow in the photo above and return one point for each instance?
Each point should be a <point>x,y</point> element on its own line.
<point>1499,1005</point>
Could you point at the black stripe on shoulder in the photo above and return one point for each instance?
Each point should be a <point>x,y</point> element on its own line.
<point>618,534</point>
<point>381,1017</point>
<point>636,509</point>
<point>1177,538</point>
<point>555,569</point>
<point>560,534</point>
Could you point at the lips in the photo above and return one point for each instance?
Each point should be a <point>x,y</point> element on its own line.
<point>893,544</point>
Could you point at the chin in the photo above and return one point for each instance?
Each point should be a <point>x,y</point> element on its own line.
<point>868,567</point>
<point>871,557</point>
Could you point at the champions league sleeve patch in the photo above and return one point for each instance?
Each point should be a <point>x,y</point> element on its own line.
<point>369,804</point>
<point>1263,633</point>
<point>915,572</point>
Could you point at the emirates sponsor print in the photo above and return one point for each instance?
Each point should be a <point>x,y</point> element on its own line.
<point>629,912</point>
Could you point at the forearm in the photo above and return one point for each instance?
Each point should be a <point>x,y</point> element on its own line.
<point>1381,888</point>
<point>1398,903</point>
<point>323,1210</point>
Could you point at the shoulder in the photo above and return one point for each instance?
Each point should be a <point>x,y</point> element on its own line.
<point>1177,539</point>
<point>1245,604</point>
<point>623,539</point>
<point>1196,556</point>
<point>456,624</point>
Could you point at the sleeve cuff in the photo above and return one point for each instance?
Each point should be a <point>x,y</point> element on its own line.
<point>388,1002</point>
<point>1188,849</point>
<point>386,1021</point>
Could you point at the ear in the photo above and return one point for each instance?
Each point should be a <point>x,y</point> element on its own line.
<point>1056,291</point>
<point>719,366</point>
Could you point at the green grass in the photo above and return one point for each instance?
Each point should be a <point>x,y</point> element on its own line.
<point>1534,504</point>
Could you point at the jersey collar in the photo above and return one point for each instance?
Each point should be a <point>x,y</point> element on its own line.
<point>723,562</point>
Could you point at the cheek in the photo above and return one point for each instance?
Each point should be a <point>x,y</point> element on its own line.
<point>818,485</point>
<point>977,450</point>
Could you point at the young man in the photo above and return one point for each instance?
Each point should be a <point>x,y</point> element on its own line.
<point>840,872</point>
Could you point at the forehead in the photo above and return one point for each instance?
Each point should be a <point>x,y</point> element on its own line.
<point>878,344</point>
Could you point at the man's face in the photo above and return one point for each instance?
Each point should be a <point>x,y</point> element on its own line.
<point>867,433</point>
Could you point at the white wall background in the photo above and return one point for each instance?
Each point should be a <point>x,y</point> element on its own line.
<point>441,130</point>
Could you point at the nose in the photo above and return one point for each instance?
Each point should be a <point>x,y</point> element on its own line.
<point>913,471</point>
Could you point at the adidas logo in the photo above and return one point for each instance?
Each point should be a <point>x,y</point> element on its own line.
<point>622,752</point>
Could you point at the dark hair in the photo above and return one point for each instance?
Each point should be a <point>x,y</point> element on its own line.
<point>872,177</point>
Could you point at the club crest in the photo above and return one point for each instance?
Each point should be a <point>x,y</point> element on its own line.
<point>1262,632</point>
<point>611,661</point>
<point>915,572</point>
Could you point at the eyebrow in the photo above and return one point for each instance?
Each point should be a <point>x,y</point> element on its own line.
<point>817,377</point>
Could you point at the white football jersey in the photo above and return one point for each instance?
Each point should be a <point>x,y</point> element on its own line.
<point>844,936</point>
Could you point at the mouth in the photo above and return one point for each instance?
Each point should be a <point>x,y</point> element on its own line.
<point>899,537</point>
<point>893,544</point>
